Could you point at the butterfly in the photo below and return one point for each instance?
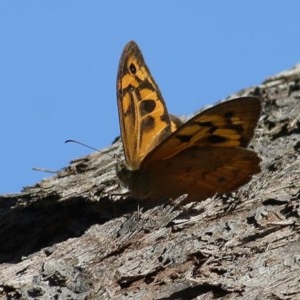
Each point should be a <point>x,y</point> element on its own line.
<point>166,158</point>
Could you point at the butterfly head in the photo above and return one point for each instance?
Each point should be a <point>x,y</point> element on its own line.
<point>122,172</point>
<point>137,182</point>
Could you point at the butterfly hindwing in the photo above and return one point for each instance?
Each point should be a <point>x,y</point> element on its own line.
<point>200,172</point>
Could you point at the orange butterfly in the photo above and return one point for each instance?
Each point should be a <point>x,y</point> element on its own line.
<point>165,158</point>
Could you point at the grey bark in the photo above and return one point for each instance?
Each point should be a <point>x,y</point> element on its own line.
<point>77,235</point>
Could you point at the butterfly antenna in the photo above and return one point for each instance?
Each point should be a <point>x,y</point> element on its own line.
<point>82,144</point>
<point>45,170</point>
<point>92,148</point>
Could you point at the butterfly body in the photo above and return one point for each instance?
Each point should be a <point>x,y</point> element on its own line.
<point>165,158</point>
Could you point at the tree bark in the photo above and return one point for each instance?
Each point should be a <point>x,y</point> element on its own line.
<point>78,235</point>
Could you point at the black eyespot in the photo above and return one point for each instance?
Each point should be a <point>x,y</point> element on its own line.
<point>132,68</point>
<point>147,106</point>
<point>216,139</point>
<point>184,138</point>
<point>221,180</point>
<point>229,114</point>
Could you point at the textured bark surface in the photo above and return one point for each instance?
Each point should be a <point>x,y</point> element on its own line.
<point>77,235</point>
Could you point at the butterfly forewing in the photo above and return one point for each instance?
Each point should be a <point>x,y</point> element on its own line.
<point>144,119</point>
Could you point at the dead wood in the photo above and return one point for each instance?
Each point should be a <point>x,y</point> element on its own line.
<point>77,235</point>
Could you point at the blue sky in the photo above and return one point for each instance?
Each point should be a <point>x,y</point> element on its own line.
<point>58,65</point>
